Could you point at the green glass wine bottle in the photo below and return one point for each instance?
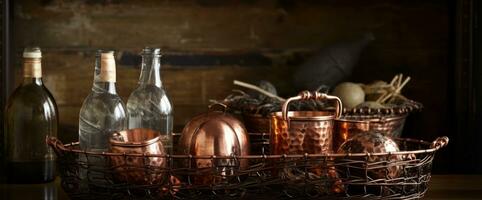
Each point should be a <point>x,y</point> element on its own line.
<point>30,116</point>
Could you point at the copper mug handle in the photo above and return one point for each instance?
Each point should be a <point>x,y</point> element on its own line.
<point>306,95</point>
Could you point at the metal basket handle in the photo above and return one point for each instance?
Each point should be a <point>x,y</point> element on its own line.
<point>306,95</point>
<point>55,144</point>
<point>440,142</point>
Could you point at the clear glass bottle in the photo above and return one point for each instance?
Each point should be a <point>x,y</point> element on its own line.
<point>30,116</point>
<point>103,111</point>
<point>148,105</point>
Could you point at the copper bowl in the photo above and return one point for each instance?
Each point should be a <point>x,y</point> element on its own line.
<point>138,169</point>
<point>350,125</point>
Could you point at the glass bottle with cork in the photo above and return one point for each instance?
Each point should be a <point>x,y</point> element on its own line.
<point>30,116</point>
<point>103,111</point>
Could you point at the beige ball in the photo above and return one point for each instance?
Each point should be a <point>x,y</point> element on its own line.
<point>351,94</point>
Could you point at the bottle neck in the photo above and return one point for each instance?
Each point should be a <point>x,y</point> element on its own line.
<point>104,74</point>
<point>104,87</point>
<point>32,80</point>
<point>150,71</point>
<point>32,68</point>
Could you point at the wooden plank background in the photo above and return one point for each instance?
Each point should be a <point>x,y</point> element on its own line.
<point>412,37</point>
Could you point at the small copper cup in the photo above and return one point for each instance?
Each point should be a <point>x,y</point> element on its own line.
<point>138,169</point>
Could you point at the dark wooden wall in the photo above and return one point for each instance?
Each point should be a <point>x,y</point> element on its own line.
<point>250,39</point>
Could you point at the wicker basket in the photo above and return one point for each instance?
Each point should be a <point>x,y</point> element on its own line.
<point>316,176</point>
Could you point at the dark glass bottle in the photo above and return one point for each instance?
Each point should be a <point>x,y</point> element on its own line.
<point>30,116</point>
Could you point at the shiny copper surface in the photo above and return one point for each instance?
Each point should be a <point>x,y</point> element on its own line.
<point>373,142</point>
<point>302,135</point>
<point>299,132</point>
<point>214,133</point>
<point>348,126</point>
<point>135,169</point>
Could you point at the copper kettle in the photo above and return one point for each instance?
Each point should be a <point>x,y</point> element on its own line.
<point>215,133</point>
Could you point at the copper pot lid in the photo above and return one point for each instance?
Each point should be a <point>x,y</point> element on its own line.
<point>216,124</point>
<point>220,116</point>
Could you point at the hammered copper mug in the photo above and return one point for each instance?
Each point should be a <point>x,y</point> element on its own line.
<point>300,132</point>
<point>141,168</point>
<point>305,132</point>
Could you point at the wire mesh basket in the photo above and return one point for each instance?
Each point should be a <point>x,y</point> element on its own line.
<point>88,175</point>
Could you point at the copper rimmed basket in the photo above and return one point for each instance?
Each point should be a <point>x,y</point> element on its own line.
<point>259,180</point>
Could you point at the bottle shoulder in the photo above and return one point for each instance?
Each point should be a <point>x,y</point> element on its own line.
<point>149,89</point>
<point>104,100</point>
<point>150,93</point>
<point>150,97</point>
<point>31,95</point>
<point>104,103</point>
<point>31,104</point>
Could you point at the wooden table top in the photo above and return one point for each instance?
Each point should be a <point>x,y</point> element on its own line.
<point>441,187</point>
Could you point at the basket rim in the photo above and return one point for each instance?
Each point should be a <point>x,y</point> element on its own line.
<point>408,107</point>
<point>437,144</point>
<point>371,118</point>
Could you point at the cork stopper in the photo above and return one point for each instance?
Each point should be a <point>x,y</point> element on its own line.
<point>32,66</point>
<point>107,67</point>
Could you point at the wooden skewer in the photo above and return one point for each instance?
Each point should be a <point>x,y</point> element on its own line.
<point>379,100</point>
<point>258,89</point>
<point>400,78</point>
<point>397,88</point>
<point>388,96</point>
<point>403,85</point>
<point>393,80</point>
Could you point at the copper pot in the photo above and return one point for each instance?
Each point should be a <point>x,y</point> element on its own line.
<point>299,132</point>
<point>215,133</point>
<point>138,169</point>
